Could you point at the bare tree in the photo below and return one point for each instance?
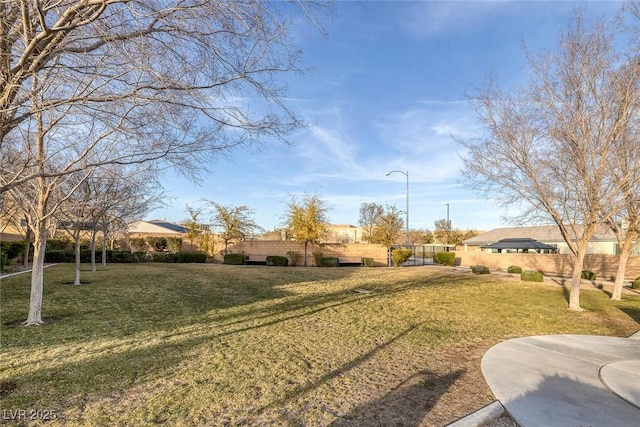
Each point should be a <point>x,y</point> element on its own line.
<point>169,84</point>
<point>547,145</point>
<point>625,166</point>
<point>307,220</point>
<point>369,214</point>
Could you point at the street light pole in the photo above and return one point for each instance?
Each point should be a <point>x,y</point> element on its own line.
<point>448,224</point>
<point>407,207</point>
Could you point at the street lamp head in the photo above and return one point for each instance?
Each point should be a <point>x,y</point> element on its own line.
<point>402,172</point>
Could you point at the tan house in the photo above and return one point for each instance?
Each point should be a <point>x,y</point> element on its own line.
<point>603,241</point>
<point>156,227</point>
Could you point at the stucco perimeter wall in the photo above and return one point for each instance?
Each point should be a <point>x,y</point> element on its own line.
<point>265,248</point>
<point>604,266</point>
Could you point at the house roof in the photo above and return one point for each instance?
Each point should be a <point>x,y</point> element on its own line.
<point>518,244</point>
<point>541,233</point>
<point>169,225</point>
<point>156,227</point>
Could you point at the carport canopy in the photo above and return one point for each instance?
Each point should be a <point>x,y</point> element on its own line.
<point>520,244</point>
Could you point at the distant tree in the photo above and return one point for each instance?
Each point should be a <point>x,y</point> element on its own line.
<point>468,235</point>
<point>369,214</point>
<point>194,227</point>
<point>275,234</point>
<point>549,145</point>
<point>307,220</point>
<point>233,223</point>
<point>388,227</point>
<point>442,231</point>
<point>420,237</point>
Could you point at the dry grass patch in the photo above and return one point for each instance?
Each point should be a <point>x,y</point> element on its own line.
<point>224,345</point>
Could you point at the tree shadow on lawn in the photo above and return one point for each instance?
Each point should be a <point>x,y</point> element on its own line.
<point>180,299</point>
<point>406,405</point>
<point>632,312</point>
<point>112,374</point>
<point>114,368</point>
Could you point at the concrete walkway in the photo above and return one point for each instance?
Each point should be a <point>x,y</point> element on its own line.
<point>567,380</point>
<point>4,276</point>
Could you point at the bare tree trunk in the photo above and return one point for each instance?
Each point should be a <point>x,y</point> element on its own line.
<point>37,273</point>
<point>93,250</point>
<point>27,249</point>
<point>305,254</point>
<point>104,246</point>
<point>76,281</point>
<point>576,280</point>
<point>625,252</point>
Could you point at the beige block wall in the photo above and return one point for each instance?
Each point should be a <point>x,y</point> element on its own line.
<point>604,266</point>
<point>276,247</point>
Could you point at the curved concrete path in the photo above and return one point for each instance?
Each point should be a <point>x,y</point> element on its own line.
<point>567,380</point>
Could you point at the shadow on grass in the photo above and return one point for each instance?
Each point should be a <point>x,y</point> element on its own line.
<point>632,312</point>
<point>406,405</point>
<point>132,299</point>
<point>298,391</point>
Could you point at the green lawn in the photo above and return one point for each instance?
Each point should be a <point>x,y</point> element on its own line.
<point>173,344</point>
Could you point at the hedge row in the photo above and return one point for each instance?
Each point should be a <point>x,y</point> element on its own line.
<point>13,249</point>
<point>125,256</point>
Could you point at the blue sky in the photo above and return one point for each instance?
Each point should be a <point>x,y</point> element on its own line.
<point>386,91</point>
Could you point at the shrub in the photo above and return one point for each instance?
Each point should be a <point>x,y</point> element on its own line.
<point>141,257</point>
<point>329,261</point>
<point>199,257</point>
<point>158,244</point>
<point>294,257</point>
<point>278,261</point>
<point>119,256</point>
<point>531,276</point>
<point>174,244</point>
<point>13,249</point>
<point>59,256</point>
<point>480,269</point>
<point>137,244</point>
<point>59,244</point>
<point>445,258</point>
<point>317,257</point>
<point>399,256</point>
<point>367,262</point>
<point>234,259</point>
<point>589,275</point>
<point>165,257</point>
<point>514,269</point>
<point>3,259</point>
<point>636,283</point>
